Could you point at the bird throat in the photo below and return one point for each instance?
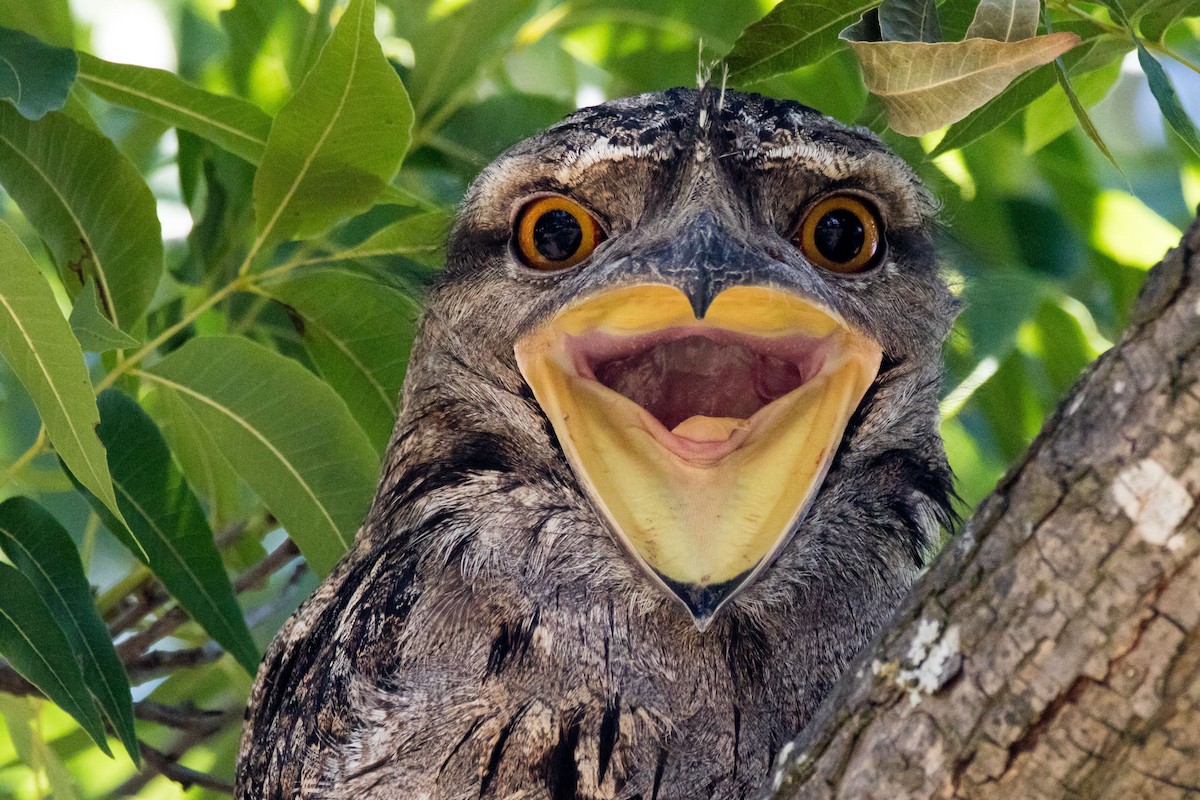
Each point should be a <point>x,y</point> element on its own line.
<point>701,442</point>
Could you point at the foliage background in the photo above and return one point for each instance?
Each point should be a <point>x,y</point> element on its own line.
<point>1046,241</point>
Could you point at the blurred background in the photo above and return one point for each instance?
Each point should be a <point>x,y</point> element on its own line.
<point>1046,242</point>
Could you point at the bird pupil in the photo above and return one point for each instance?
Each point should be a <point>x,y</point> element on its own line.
<point>839,235</point>
<point>557,235</point>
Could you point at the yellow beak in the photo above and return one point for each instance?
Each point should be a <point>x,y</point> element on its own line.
<point>702,442</point>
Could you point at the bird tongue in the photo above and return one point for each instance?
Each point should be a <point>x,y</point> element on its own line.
<point>708,429</point>
<point>699,388</point>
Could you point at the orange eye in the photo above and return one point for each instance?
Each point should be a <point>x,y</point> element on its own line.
<point>840,233</point>
<point>555,233</point>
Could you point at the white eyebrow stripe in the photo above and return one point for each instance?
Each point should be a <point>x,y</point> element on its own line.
<point>831,163</point>
<point>602,150</point>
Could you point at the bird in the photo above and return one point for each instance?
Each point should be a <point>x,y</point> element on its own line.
<point>667,457</point>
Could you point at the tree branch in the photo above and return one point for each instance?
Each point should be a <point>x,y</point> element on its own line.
<point>185,717</point>
<point>1053,650</point>
<point>157,763</point>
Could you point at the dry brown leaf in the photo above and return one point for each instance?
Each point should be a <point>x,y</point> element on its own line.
<point>926,86</point>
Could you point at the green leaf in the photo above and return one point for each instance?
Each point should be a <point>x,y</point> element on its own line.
<point>479,132</point>
<point>1168,100</point>
<point>21,715</point>
<point>1005,20</point>
<point>793,34</point>
<point>33,75</point>
<point>421,238</point>
<point>43,551</point>
<point>451,52</point>
<point>205,466</point>
<point>48,20</point>
<point>1045,121</point>
<point>296,443</point>
<point>1095,51</point>
<point>336,144</point>
<point>229,122</point>
<point>38,345</point>
<point>358,333</point>
<point>263,43</point>
<point>926,86</point>
<point>1162,15</point>
<point>93,330</point>
<point>166,527</point>
<point>909,21</point>
<point>1160,85</point>
<point>89,205</point>
<point>38,649</point>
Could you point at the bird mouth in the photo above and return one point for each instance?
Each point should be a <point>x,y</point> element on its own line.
<point>702,442</point>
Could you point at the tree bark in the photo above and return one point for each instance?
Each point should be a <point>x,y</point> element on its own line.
<point>1053,649</point>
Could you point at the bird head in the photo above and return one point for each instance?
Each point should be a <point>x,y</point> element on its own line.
<point>715,316</point>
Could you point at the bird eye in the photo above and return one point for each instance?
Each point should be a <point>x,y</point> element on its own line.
<point>555,233</point>
<point>840,233</point>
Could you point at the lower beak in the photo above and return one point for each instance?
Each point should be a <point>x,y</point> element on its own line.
<point>702,442</point>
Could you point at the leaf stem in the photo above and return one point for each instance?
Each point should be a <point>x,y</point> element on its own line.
<point>1120,30</point>
<point>23,460</point>
<point>125,366</point>
<point>122,589</point>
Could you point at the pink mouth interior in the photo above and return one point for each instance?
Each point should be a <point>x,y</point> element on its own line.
<point>678,374</point>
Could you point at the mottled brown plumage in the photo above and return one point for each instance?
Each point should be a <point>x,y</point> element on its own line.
<point>487,637</point>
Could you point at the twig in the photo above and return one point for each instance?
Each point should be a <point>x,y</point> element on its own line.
<point>278,558</point>
<point>164,626</point>
<point>255,616</point>
<point>134,646</point>
<point>12,683</point>
<point>166,764</point>
<point>145,666</point>
<point>184,717</point>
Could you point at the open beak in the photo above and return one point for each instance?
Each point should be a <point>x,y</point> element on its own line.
<point>703,442</point>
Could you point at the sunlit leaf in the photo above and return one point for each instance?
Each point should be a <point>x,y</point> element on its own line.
<point>39,347</point>
<point>1052,114</point>
<point>90,206</point>
<point>927,86</point>
<point>166,525</point>
<point>1095,85</point>
<point>93,330</point>
<point>262,42</point>
<point>358,333</point>
<point>298,446</point>
<point>794,33</point>
<point>1159,16</point>
<point>1095,51</point>
<point>451,51</point>
<point>1005,20</point>
<point>909,21</point>
<point>1131,232</point>
<point>234,124</point>
<point>48,20</point>
<point>338,141</point>
<point>38,649</point>
<point>34,76</point>
<point>22,715</point>
<point>43,551</point>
